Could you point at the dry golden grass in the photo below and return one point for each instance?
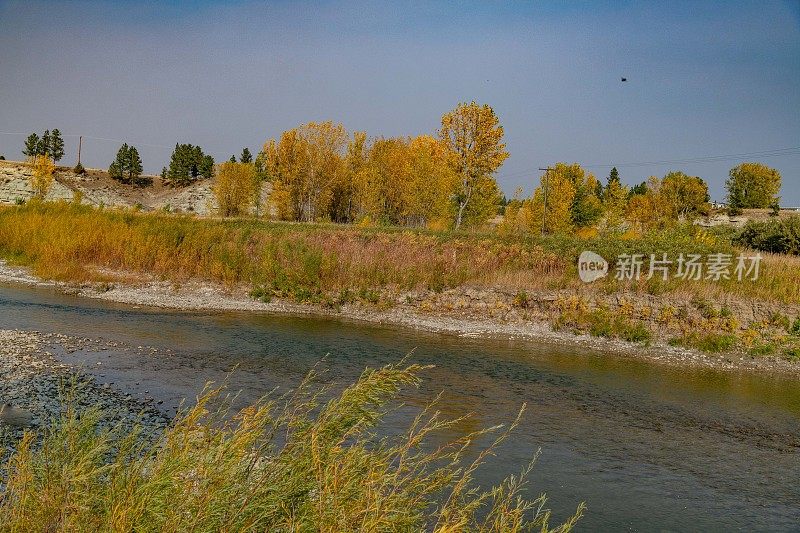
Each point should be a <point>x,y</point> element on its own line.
<point>294,463</point>
<point>305,261</point>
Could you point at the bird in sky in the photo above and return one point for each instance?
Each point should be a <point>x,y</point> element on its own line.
<point>624,79</point>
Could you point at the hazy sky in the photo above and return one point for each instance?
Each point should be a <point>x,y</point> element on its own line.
<point>705,79</point>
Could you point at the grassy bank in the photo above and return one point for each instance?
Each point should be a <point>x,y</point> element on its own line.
<point>78,243</point>
<point>295,463</point>
<point>532,277</point>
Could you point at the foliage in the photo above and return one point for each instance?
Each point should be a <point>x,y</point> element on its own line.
<point>292,463</point>
<point>127,167</point>
<point>42,179</point>
<point>31,145</point>
<point>615,199</point>
<point>235,188</point>
<point>303,166</point>
<point>473,135</point>
<point>246,156</point>
<point>56,147</point>
<point>78,169</point>
<point>667,200</point>
<point>779,236</point>
<point>566,198</point>
<point>187,164</point>
<point>49,144</point>
<point>707,342</point>
<point>753,185</point>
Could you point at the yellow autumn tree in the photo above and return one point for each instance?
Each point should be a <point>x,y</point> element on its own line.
<point>304,167</point>
<point>473,136</point>
<point>347,197</point>
<point>235,188</point>
<point>685,196</point>
<point>42,178</point>
<point>388,179</point>
<point>432,182</point>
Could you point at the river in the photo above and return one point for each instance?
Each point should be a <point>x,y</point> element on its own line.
<point>647,447</point>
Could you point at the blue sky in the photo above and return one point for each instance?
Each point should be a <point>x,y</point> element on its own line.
<point>704,78</point>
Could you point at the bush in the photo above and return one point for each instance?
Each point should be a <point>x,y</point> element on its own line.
<point>778,236</point>
<point>295,463</point>
<point>79,169</point>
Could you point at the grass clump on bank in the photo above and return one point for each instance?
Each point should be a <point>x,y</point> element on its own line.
<point>296,463</point>
<point>299,261</point>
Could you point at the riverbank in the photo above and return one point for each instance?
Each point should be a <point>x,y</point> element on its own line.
<point>39,387</point>
<point>411,310</point>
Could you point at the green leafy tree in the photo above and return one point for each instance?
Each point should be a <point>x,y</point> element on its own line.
<point>753,185</point>
<point>246,156</point>
<point>56,147</point>
<point>31,145</point>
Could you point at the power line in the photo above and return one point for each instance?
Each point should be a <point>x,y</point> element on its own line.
<point>705,159</point>
<point>96,138</point>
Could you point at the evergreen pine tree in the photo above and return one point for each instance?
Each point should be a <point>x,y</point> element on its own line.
<point>246,156</point>
<point>207,167</point>
<point>43,147</point>
<point>613,176</point>
<point>232,159</point>
<point>134,165</point>
<point>118,167</point>
<point>56,148</point>
<point>188,163</point>
<point>31,145</point>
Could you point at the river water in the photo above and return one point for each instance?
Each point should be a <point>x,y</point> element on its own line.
<point>647,447</point>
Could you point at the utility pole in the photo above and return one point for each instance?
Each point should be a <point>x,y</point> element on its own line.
<point>545,184</point>
<point>80,142</point>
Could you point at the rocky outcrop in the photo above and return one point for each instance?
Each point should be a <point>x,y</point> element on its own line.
<point>96,188</point>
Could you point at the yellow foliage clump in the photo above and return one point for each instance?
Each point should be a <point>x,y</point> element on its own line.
<point>235,188</point>
<point>42,179</point>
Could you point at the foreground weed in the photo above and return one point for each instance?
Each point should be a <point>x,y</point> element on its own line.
<point>293,463</point>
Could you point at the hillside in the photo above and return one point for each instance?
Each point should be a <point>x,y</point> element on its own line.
<point>96,188</point>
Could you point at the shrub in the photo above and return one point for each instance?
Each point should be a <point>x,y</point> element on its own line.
<point>779,236</point>
<point>295,463</point>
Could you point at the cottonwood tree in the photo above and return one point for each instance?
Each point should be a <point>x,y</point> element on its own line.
<point>235,188</point>
<point>685,196</point>
<point>753,185</point>
<point>127,167</point>
<point>42,179</point>
<point>473,136</point>
<point>303,166</point>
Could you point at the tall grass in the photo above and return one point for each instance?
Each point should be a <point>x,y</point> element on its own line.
<point>310,261</point>
<point>295,463</point>
<point>64,241</point>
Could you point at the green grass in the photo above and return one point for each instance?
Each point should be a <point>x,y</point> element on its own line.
<point>707,342</point>
<point>294,463</point>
